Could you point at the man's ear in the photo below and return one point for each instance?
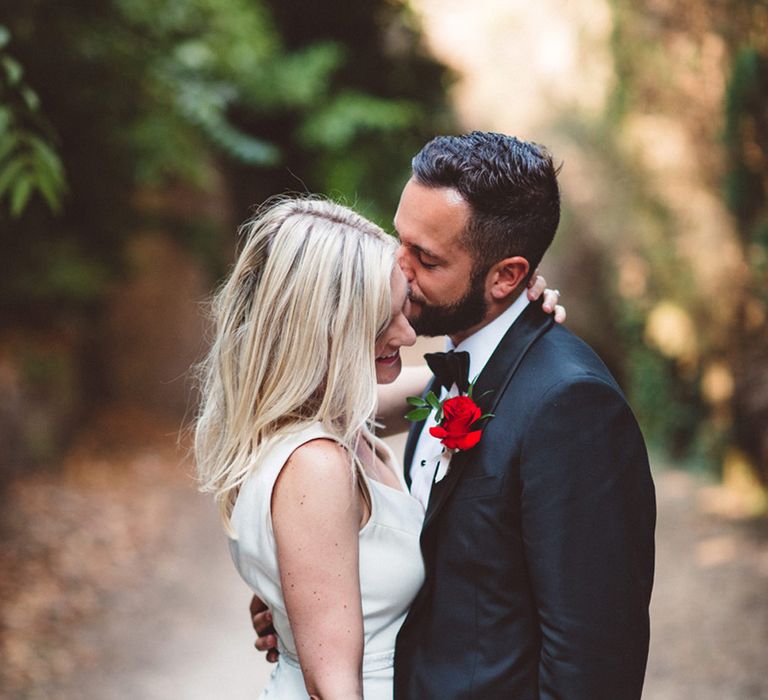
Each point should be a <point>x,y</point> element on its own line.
<point>506,276</point>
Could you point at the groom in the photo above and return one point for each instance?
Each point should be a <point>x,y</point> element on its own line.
<point>538,541</point>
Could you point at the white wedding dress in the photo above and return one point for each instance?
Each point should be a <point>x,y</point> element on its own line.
<point>391,569</point>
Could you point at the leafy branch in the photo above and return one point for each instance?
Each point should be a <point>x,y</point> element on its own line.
<point>28,163</point>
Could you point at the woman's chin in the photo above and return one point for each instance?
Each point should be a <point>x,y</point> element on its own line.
<point>386,373</point>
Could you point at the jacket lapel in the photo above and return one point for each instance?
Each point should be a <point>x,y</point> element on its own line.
<point>497,373</point>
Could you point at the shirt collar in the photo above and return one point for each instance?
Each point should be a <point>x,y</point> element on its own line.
<point>481,344</point>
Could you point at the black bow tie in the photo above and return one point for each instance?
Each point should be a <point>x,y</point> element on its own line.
<point>450,368</point>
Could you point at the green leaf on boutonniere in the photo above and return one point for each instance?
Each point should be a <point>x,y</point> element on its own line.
<point>483,417</point>
<point>418,414</point>
<point>433,401</point>
<point>417,401</point>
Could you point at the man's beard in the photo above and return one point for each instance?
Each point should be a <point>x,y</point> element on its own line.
<point>454,318</point>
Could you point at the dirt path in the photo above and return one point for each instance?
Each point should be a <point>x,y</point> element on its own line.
<point>709,611</point>
<point>117,581</point>
<point>118,584</point>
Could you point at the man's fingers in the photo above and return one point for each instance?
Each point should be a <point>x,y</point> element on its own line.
<point>266,642</point>
<point>560,314</point>
<point>257,605</point>
<point>551,297</point>
<point>262,623</point>
<point>261,619</point>
<point>537,285</point>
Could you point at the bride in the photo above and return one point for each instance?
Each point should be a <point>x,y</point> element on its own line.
<point>320,521</point>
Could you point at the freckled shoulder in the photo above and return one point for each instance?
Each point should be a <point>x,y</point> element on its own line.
<point>319,468</point>
<point>321,458</point>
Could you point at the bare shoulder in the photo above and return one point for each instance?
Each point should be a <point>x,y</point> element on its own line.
<point>319,471</point>
<point>318,459</point>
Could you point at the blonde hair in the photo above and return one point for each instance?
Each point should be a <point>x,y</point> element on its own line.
<point>294,333</point>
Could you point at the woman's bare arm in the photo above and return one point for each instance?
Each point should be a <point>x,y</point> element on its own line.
<point>316,514</point>
<point>392,405</point>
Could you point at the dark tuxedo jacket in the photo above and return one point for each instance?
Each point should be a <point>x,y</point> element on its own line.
<point>538,543</point>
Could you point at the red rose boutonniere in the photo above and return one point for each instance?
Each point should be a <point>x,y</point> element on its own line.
<point>455,431</point>
<point>457,418</point>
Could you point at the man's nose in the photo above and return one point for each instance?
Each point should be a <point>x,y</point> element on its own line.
<point>405,264</point>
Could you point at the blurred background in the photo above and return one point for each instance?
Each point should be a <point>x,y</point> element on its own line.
<point>135,135</point>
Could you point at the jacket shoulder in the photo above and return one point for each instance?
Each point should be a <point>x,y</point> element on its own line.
<point>560,357</point>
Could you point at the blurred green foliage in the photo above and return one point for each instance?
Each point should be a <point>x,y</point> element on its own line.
<point>746,192</point>
<point>123,118</point>
<point>201,101</point>
<point>746,139</point>
<point>670,59</point>
<point>28,162</point>
<point>666,399</point>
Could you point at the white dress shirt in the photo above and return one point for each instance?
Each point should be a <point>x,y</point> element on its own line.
<point>480,346</point>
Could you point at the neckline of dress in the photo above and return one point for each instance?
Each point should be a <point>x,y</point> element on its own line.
<point>370,479</point>
<point>390,463</point>
<point>375,493</point>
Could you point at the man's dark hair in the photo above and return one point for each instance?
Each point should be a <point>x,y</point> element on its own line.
<point>510,186</point>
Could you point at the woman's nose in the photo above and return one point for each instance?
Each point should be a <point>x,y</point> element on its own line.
<point>409,335</point>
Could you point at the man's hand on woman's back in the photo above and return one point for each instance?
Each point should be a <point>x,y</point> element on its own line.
<point>261,619</point>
